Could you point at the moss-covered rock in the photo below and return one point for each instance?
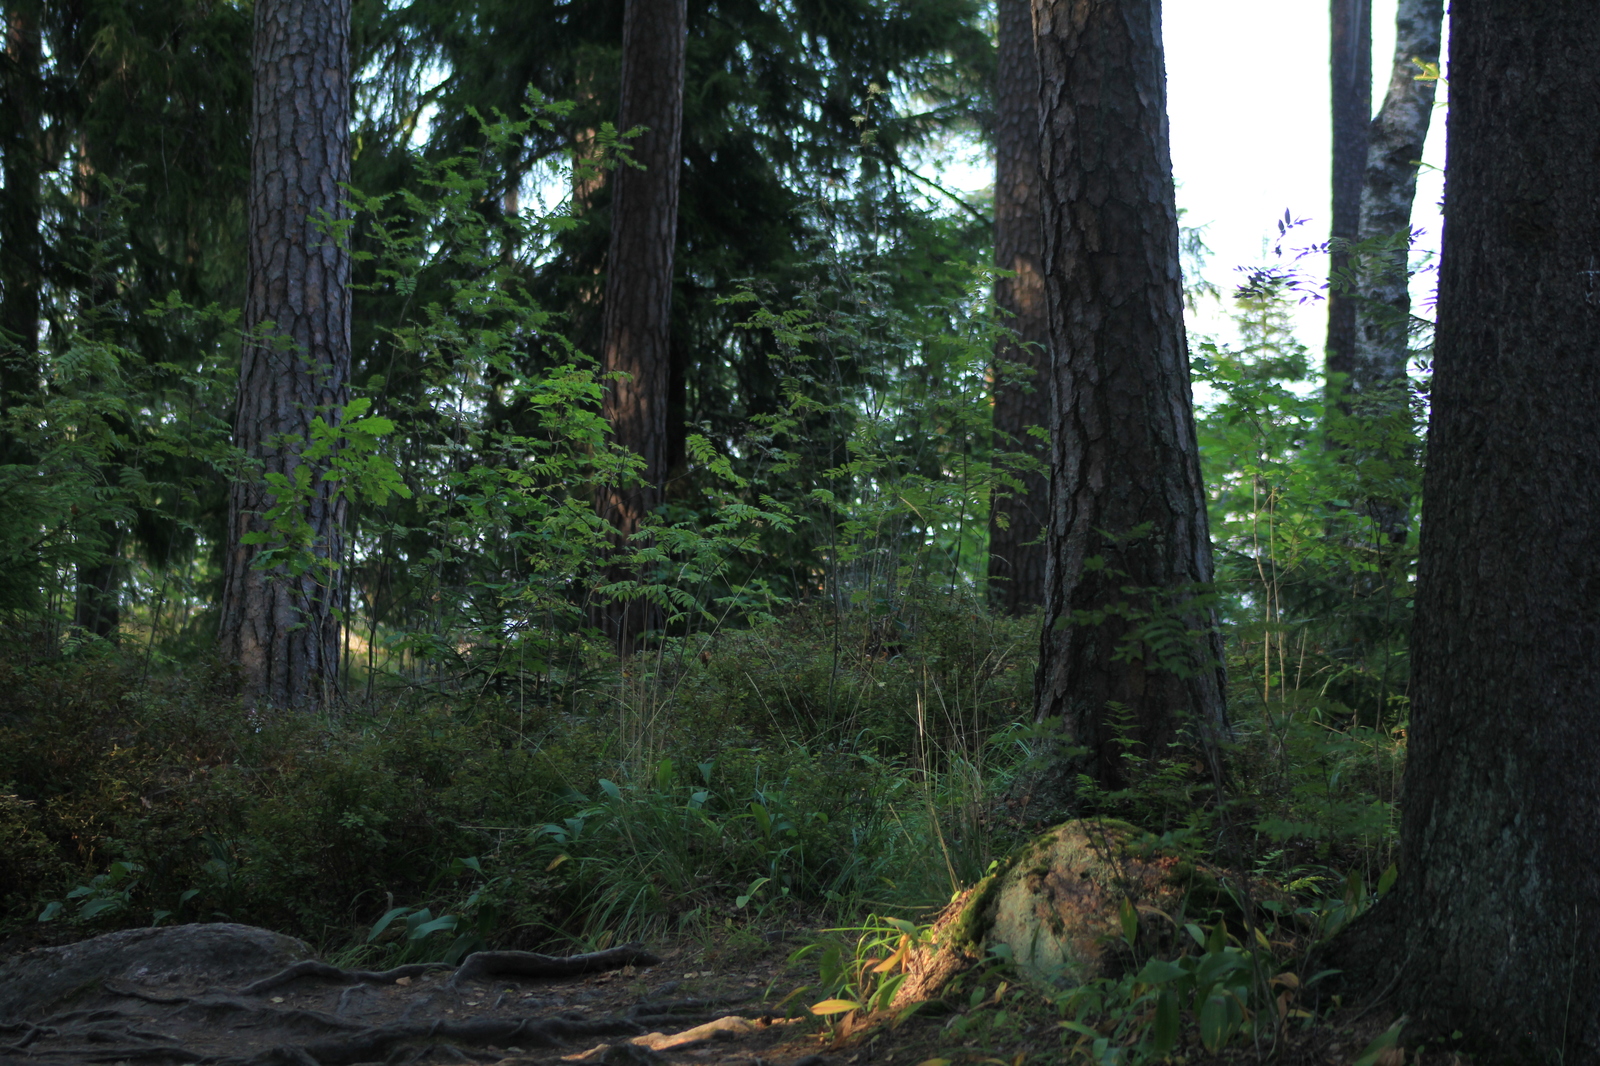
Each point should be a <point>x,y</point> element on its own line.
<point>1055,906</point>
<point>1058,907</point>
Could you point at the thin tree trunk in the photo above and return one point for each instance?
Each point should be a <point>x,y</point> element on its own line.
<point>1350,65</point>
<point>1016,521</point>
<point>638,296</point>
<point>1492,924</point>
<point>282,628</point>
<point>21,260</point>
<point>99,609</point>
<point>1128,541</point>
<point>1394,151</point>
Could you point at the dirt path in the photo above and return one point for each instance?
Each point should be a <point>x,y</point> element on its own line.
<point>234,996</point>
<point>312,1014</point>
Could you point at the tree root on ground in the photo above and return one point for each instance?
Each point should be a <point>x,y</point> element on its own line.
<point>215,1026</point>
<point>532,964</point>
<point>329,972</point>
<point>477,965</point>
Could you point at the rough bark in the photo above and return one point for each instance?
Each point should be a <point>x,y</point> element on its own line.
<point>1016,521</point>
<point>1350,65</point>
<point>20,245</point>
<point>281,628</point>
<point>1127,542</point>
<point>638,296</point>
<point>1492,923</point>
<point>1394,150</point>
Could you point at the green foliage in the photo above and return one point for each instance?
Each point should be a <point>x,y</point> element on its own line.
<point>160,798</point>
<point>1216,991</point>
<point>113,440</point>
<point>482,574</point>
<point>886,416</point>
<point>859,972</point>
<point>1313,518</point>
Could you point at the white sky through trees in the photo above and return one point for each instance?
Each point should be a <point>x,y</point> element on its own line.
<point>1248,103</point>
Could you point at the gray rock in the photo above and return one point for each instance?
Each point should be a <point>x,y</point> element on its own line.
<point>36,983</point>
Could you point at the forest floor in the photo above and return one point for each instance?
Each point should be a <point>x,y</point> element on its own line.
<point>719,1002</point>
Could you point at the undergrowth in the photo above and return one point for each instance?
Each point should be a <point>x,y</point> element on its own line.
<point>755,781</point>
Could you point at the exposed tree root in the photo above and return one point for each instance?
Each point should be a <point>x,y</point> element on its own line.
<point>477,965</point>
<point>222,1026</point>
<point>288,1016</point>
<point>532,964</point>
<point>329,972</point>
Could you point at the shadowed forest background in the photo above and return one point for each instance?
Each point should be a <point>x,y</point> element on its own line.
<point>769,658</point>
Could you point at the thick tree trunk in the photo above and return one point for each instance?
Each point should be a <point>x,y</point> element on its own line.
<point>1016,521</point>
<point>1394,150</point>
<point>638,298</point>
<point>1350,64</point>
<point>1493,921</point>
<point>20,249</point>
<point>1128,542</point>
<point>282,628</point>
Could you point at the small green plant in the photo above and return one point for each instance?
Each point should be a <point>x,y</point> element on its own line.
<point>860,968</point>
<point>105,895</point>
<point>472,927</point>
<point>1217,991</point>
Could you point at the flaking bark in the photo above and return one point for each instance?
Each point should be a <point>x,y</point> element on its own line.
<point>1128,544</point>
<point>1016,522</point>
<point>637,309</point>
<point>282,630</point>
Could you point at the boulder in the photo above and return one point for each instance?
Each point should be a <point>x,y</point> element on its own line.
<point>1056,906</point>
<point>34,984</point>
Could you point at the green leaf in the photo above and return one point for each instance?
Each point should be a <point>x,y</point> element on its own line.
<point>99,906</point>
<point>1384,1040</point>
<point>755,886</point>
<point>1130,920</point>
<point>1164,1029</point>
<point>383,923</point>
<point>1386,882</point>
<point>1217,942</point>
<point>1159,972</point>
<point>443,923</point>
<point>1214,1023</point>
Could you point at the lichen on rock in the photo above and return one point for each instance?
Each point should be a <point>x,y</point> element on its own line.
<point>1055,907</point>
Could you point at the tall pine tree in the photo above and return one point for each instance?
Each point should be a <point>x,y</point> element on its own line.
<point>1126,652</point>
<point>279,623</point>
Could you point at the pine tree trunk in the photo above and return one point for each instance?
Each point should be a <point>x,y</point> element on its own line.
<point>21,262</point>
<point>1394,150</point>
<point>638,296</point>
<point>281,628</point>
<point>1350,63</point>
<point>1493,921</point>
<point>1016,521</point>
<point>1128,541</point>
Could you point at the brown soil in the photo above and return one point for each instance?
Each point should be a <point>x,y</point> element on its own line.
<point>720,1003</point>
